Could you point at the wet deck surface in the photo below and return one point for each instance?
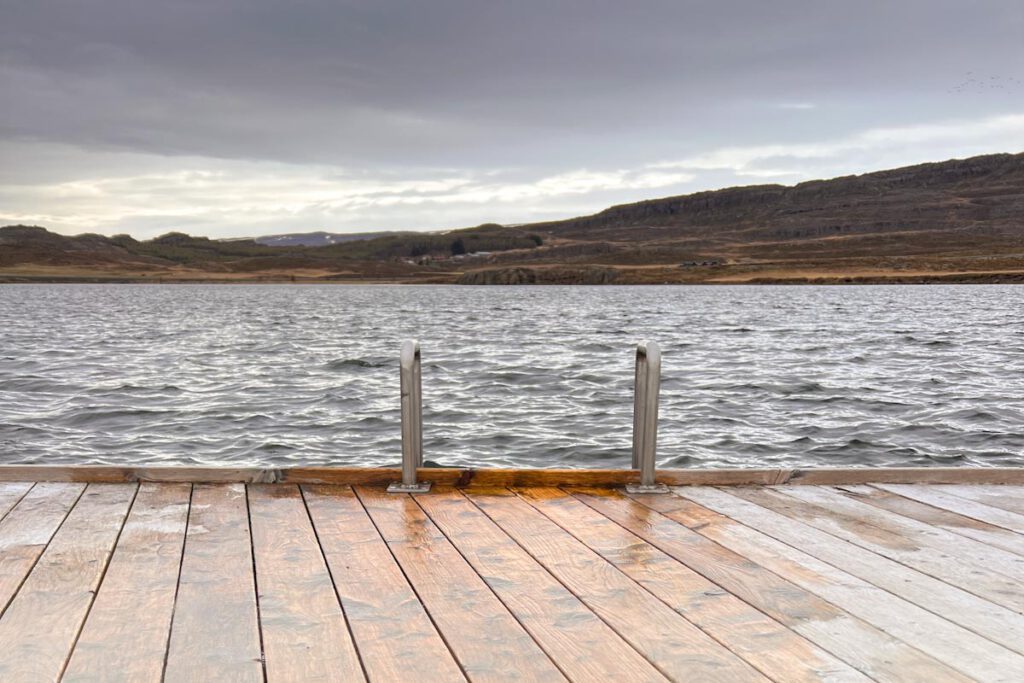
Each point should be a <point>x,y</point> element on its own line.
<point>280,582</point>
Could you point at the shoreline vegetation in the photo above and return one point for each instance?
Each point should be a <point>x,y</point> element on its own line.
<point>567,278</point>
<point>959,221</point>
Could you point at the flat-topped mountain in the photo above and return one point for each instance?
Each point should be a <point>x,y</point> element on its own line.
<point>954,220</point>
<point>966,211</point>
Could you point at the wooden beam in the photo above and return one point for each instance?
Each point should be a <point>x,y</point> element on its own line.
<point>485,478</point>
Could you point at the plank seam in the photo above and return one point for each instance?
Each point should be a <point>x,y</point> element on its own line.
<point>872,620</point>
<point>926,542</point>
<point>255,583</point>
<point>99,584</point>
<point>575,495</point>
<point>46,547</point>
<point>493,592</point>
<point>334,586</point>
<point>583,602</point>
<point>824,647</point>
<point>32,485</point>
<point>656,596</point>
<point>995,506</point>
<point>953,529</point>
<point>177,584</point>
<point>971,502</point>
<point>412,587</point>
<point>840,539</point>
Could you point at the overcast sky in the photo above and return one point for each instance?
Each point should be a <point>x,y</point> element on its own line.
<point>246,117</point>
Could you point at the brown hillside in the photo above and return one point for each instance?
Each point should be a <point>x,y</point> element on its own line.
<point>960,220</point>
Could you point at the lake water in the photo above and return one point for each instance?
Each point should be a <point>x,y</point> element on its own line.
<point>512,376</point>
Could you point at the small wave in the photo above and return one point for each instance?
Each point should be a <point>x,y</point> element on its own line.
<point>94,418</point>
<point>972,415</point>
<point>882,381</point>
<point>344,363</point>
<point>946,457</point>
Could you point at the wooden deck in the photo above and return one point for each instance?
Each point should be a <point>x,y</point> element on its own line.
<point>143,581</point>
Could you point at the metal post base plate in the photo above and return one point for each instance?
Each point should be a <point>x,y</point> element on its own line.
<point>418,487</point>
<point>649,488</point>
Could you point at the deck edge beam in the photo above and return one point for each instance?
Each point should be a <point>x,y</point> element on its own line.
<point>486,477</point>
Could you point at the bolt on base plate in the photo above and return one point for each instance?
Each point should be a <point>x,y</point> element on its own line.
<point>646,488</point>
<point>418,487</point>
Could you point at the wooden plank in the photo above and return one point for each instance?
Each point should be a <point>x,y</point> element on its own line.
<point>500,477</point>
<point>937,517</point>
<point>866,648</point>
<point>956,647</point>
<point>995,516</point>
<point>826,476</point>
<point>980,569</point>
<point>10,494</point>
<point>1003,496</point>
<point>305,635</point>
<point>763,510</point>
<point>635,614</point>
<point>392,631</point>
<point>125,637</point>
<point>489,643</point>
<point>112,474</point>
<point>39,628</point>
<point>26,530</point>
<point>583,646</point>
<point>380,476</point>
<point>214,633</point>
<point>775,650</point>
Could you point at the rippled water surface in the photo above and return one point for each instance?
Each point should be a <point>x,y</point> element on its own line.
<point>512,376</point>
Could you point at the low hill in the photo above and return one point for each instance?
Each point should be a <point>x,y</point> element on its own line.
<point>32,253</point>
<point>959,220</point>
<point>320,238</point>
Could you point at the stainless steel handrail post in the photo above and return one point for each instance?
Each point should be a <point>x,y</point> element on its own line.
<point>645,418</point>
<point>411,384</point>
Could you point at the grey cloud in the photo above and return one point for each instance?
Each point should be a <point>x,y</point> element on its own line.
<point>524,90</point>
<point>451,82</point>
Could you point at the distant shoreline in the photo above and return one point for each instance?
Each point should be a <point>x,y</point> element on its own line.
<point>809,279</point>
<point>956,221</point>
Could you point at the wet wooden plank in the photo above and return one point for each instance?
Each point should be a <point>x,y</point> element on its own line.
<point>583,646</point>
<point>393,633</point>
<point>39,628</point>
<point>491,477</point>
<point>489,643</point>
<point>1003,496</point>
<point>305,635</point>
<point>983,570</point>
<point>113,474</point>
<point>215,633</point>
<point>125,637</point>
<point>952,645</point>
<point>381,476</point>
<point>866,648</point>
<point>937,517</point>
<point>26,530</point>
<point>503,477</point>
<point>10,494</point>
<point>762,510</point>
<point>996,516</point>
<point>833,476</point>
<point>775,650</point>
<point>635,614</point>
